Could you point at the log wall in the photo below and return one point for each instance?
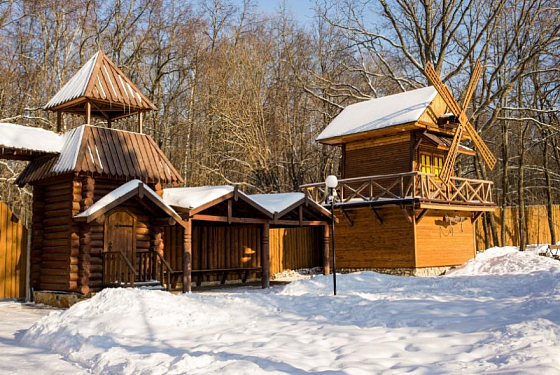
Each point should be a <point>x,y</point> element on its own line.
<point>13,255</point>
<point>54,230</point>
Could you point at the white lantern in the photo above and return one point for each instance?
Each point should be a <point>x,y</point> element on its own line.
<point>331,182</point>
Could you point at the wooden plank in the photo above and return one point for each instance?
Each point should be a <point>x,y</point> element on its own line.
<point>3,250</point>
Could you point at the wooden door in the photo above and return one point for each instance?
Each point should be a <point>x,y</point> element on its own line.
<point>120,234</point>
<point>13,255</point>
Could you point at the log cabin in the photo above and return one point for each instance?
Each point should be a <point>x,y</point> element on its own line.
<point>108,212</point>
<point>400,207</point>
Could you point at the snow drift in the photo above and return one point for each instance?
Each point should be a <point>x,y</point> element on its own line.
<point>498,313</point>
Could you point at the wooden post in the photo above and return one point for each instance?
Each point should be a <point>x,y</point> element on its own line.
<point>326,249</point>
<point>58,121</point>
<point>109,123</point>
<point>140,123</point>
<point>187,256</point>
<point>265,258</point>
<point>88,113</point>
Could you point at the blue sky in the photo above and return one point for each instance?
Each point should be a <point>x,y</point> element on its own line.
<point>301,9</point>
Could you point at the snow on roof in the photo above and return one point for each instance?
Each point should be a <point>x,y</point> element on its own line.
<point>277,202</point>
<point>380,113</point>
<point>29,138</point>
<point>69,152</point>
<point>119,192</point>
<point>76,86</point>
<point>192,197</point>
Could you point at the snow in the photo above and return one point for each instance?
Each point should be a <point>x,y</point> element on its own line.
<point>66,162</point>
<point>16,358</point>
<point>499,313</point>
<point>192,197</point>
<point>119,192</point>
<point>277,202</point>
<point>29,138</point>
<point>380,113</point>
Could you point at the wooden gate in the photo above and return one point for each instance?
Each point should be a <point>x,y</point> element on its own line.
<point>13,255</point>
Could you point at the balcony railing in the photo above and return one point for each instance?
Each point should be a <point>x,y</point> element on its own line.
<point>410,185</point>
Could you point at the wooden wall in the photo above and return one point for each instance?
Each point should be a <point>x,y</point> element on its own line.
<point>385,155</point>
<point>240,247</point>
<point>295,248</point>
<point>368,244</point>
<point>538,230</point>
<point>439,244</point>
<point>13,255</point>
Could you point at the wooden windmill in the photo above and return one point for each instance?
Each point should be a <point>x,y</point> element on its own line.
<point>463,121</point>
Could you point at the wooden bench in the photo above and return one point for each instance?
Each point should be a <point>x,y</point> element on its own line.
<point>224,272</point>
<point>552,251</point>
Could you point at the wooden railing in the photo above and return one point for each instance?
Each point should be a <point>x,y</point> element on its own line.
<point>400,186</point>
<point>117,269</point>
<point>151,266</point>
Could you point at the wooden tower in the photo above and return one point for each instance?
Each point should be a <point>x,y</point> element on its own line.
<point>100,89</point>
<point>400,207</point>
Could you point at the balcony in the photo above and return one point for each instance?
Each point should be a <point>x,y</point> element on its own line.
<point>405,188</point>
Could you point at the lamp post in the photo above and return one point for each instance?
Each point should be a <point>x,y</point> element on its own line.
<point>331,183</point>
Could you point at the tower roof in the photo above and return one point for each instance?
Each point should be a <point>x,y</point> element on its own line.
<point>99,81</point>
<point>103,152</point>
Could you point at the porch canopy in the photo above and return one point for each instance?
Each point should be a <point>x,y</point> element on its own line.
<point>139,191</point>
<point>211,206</point>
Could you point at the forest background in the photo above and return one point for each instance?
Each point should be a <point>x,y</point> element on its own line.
<point>242,94</point>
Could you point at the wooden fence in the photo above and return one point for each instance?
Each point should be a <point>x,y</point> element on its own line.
<point>538,230</point>
<point>13,255</point>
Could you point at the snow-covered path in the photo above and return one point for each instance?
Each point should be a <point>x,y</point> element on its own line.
<point>16,358</point>
<point>498,314</point>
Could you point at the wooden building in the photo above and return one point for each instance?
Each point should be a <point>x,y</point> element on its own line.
<point>400,207</point>
<point>102,218</point>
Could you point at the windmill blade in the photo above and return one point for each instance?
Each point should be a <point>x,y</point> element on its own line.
<point>472,84</point>
<point>481,147</point>
<point>443,91</point>
<point>449,99</point>
<point>449,163</point>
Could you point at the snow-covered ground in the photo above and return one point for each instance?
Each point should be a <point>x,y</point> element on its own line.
<point>499,313</point>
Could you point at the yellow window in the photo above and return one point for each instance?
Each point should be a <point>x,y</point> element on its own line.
<point>425,163</point>
<point>438,164</point>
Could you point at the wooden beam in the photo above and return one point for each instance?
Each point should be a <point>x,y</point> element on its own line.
<point>140,123</point>
<point>347,217</point>
<point>58,121</point>
<point>450,207</point>
<point>229,210</point>
<point>406,214</point>
<point>265,257</point>
<point>476,216</point>
<point>88,113</point>
<point>187,257</point>
<point>421,215</point>
<point>300,215</point>
<point>377,216</point>
<point>243,220</point>
<point>326,249</point>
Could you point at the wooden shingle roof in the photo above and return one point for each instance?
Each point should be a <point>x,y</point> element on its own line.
<point>103,84</point>
<point>104,152</point>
